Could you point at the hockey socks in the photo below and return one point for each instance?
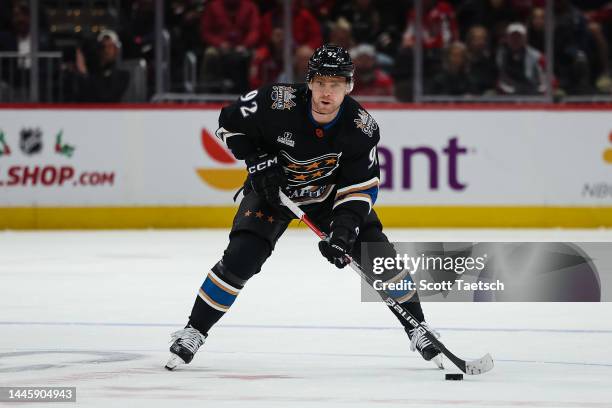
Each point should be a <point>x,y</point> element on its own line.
<point>215,296</point>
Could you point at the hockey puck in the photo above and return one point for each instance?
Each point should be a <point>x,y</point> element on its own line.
<point>454,377</point>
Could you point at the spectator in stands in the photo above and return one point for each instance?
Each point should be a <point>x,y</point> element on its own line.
<point>481,60</point>
<point>519,65</point>
<point>306,28</point>
<point>340,34</point>
<point>183,23</point>
<point>16,73</point>
<point>138,31</point>
<point>523,8</point>
<point>495,15</point>
<point>100,80</point>
<point>439,30</point>
<point>439,25</point>
<point>570,51</point>
<point>392,24</point>
<point>363,16</point>
<point>536,27</point>
<point>267,63</point>
<point>300,65</point>
<point>230,32</point>
<point>321,9</point>
<point>15,34</point>
<point>455,78</point>
<point>599,16</point>
<point>230,24</point>
<point>369,79</point>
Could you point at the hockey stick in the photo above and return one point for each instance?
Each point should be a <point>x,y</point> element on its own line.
<point>474,367</point>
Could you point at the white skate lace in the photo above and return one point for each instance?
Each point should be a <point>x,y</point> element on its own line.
<point>189,338</point>
<point>418,339</point>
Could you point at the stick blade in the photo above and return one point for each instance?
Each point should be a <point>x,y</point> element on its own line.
<point>479,366</point>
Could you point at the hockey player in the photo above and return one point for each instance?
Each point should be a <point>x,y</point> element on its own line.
<point>317,144</point>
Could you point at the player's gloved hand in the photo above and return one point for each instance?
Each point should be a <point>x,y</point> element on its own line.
<point>337,246</point>
<point>266,175</point>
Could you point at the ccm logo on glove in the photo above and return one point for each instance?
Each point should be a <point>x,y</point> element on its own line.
<point>263,165</point>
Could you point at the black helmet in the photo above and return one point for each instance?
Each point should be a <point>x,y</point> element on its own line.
<point>330,60</point>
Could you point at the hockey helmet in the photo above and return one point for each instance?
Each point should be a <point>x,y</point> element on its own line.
<point>330,60</point>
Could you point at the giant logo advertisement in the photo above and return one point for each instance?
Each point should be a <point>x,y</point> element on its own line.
<point>223,175</point>
<point>449,156</point>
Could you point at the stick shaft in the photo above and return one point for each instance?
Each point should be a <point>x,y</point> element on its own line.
<point>392,303</point>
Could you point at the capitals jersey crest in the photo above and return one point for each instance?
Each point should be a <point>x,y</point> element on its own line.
<point>365,122</point>
<point>282,97</point>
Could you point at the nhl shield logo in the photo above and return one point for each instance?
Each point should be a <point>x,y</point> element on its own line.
<point>30,141</point>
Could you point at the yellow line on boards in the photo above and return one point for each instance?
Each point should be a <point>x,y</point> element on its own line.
<point>221,217</point>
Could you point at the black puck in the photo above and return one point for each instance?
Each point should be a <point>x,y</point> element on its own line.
<point>454,377</point>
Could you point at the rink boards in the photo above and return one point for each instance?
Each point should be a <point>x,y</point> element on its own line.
<point>142,166</point>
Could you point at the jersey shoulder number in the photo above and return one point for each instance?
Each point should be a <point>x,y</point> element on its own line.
<point>248,105</point>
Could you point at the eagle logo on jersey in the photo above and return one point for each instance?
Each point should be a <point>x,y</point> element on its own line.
<point>304,172</point>
<point>282,97</point>
<point>366,123</point>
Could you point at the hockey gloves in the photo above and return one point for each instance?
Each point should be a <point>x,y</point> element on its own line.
<point>266,176</point>
<point>339,244</point>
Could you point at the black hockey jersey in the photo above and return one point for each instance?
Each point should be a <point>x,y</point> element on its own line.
<point>335,164</point>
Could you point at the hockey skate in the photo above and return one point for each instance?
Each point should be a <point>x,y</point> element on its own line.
<point>185,344</point>
<point>419,342</point>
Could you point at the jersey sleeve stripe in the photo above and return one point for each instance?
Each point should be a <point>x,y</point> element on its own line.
<point>373,182</point>
<point>223,134</point>
<point>355,197</point>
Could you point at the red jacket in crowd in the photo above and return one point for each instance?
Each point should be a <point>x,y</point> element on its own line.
<point>236,26</point>
<point>439,26</point>
<point>381,85</point>
<point>306,28</point>
<point>265,68</point>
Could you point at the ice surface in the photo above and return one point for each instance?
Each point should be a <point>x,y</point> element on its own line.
<point>95,309</point>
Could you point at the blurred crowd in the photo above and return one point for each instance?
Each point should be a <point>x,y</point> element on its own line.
<point>469,47</point>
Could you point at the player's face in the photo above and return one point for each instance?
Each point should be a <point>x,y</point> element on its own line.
<point>327,93</point>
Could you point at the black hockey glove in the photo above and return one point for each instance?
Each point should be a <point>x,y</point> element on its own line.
<point>338,245</point>
<point>267,176</point>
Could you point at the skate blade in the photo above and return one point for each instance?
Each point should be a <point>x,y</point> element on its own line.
<point>174,362</point>
<point>438,361</point>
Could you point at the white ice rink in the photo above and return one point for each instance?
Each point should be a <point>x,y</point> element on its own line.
<point>94,310</point>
